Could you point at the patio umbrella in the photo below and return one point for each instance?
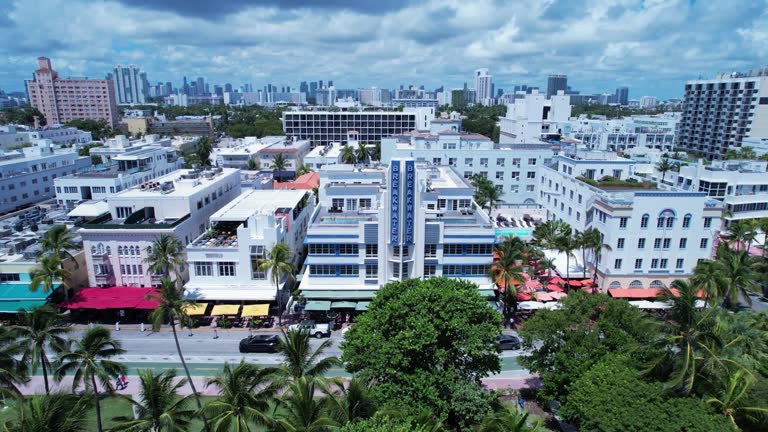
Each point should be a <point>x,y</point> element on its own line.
<point>543,297</point>
<point>529,305</point>
<point>556,280</point>
<point>574,283</point>
<point>557,295</point>
<point>587,282</point>
<point>523,296</point>
<point>532,284</point>
<point>555,288</point>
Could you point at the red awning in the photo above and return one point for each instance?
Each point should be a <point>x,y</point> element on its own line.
<point>574,283</point>
<point>555,287</point>
<point>634,293</point>
<point>523,296</point>
<point>112,298</point>
<point>587,282</point>
<point>556,280</point>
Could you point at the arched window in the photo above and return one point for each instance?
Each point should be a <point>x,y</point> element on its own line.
<point>93,250</point>
<point>109,250</point>
<point>133,250</point>
<point>687,220</point>
<point>100,249</point>
<point>149,250</point>
<point>666,219</point>
<point>614,285</point>
<point>656,284</point>
<point>120,250</point>
<point>636,284</point>
<point>644,221</point>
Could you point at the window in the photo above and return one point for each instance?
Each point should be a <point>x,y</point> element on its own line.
<point>641,243</point>
<point>371,271</point>
<point>484,162</point>
<point>468,162</point>
<point>620,244</point>
<point>337,203</point>
<point>657,243</point>
<point>478,249</point>
<point>430,270</point>
<point>708,222</point>
<point>226,268</point>
<point>531,174</point>
<point>655,263</point>
<point>660,222</point>
<point>371,250</point>
<point>679,263</point>
<point>667,243</point>
<point>123,212</point>
<point>529,188</point>
<point>322,270</point>
<point>437,161</point>
<point>451,270</point>
<point>500,162</point>
<point>703,243</point>
<point>396,270</point>
<point>515,175</point>
<point>516,161</point>
<point>623,222</point>
<point>644,221</point>
<point>396,250</point>
<point>452,249</point>
<point>638,263</point>
<point>467,175</point>
<point>664,263</point>
<point>351,204</point>
<point>531,161</point>
<point>617,264</point>
<point>499,175</point>
<point>10,277</point>
<point>322,249</point>
<point>203,269</point>
<point>348,249</point>
<point>430,251</point>
<point>475,270</point>
<point>687,221</point>
<point>683,243</point>
<point>348,270</point>
<point>365,203</point>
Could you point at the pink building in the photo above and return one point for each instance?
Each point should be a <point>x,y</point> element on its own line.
<point>62,100</point>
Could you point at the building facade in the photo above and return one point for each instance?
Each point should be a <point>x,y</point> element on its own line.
<point>131,85</point>
<point>656,236</point>
<point>224,262</point>
<point>555,84</point>
<point>178,204</point>
<point>483,87</point>
<point>374,226</point>
<point>531,118</point>
<point>61,100</point>
<point>719,113</point>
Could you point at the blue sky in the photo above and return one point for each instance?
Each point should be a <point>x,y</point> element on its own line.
<point>652,46</point>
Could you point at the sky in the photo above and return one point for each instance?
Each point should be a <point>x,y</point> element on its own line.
<point>651,46</point>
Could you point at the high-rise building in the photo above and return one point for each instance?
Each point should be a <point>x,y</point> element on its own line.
<point>647,102</point>
<point>556,83</point>
<point>718,113</point>
<point>130,84</point>
<point>303,87</point>
<point>622,95</point>
<point>228,88</point>
<point>185,87</point>
<point>330,83</point>
<point>200,86</point>
<point>218,90</point>
<point>61,100</point>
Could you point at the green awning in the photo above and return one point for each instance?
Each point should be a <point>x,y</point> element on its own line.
<point>318,305</point>
<point>487,293</point>
<point>343,305</point>
<point>13,306</point>
<point>338,294</point>
<point>362,306</point>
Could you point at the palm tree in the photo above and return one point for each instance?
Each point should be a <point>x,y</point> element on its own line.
<point>376,152</point>
<point>546,234</point>
<point>304,169</point>
<point>204,150</point>
<point>279,264</point>
<point>13,371</point>
<point>737,276</point>
<point>492,197</point>
<point>566,244</point>
<point>279,164</point>
<point>664,166</point>
<point>60,412</point>
<point>362,153</point>
<point>158,406</point>
<point>747,153</point>
<point>37,330</point>
<point>166,256</point>
<point>591,239</point>
<point>732,154</point>
<point>730,398</point>
<point>252,165</point>
<point>244,395</point>
<point>172,307</point>
<point>741,233</point>
<point>508,419</point>
<point>88,360</point>
<point>348,155</point>
<point>762,224</point>
<point>59,241</point>
<point>302,411</point>
<point>299,360</point>
<point>507,271</point>
<point>48,273</point>
<point>351,402</point>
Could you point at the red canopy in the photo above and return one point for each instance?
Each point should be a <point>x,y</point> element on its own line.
<point>556,280</point>
<point>112,298</point>
<point>588,282</point>
<point>574,283</point>
<point>555,287</point>
<point>523,296</point>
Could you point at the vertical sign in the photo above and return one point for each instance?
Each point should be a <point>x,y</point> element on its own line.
<point>410,205</point>
<point>394,203</point>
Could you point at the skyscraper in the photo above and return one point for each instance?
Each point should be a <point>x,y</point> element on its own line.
<point>61,100</point>
<point>622,95</point>
<point>312,88</point>
<point>321,84</point>
<point>130,85</point>
<point>228,88</point>
<point>483,87</point>
<point>330,83</point>
<point>556,83</point>
<point>200,86</point>
<point>185,87</point>
<point>303,87</point>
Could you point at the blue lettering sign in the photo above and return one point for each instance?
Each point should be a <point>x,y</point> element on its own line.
<point>410,197</point>
<point>394,204</point>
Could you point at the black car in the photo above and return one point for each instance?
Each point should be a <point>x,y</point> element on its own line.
<point>507,342</point>
<point>259,343</point>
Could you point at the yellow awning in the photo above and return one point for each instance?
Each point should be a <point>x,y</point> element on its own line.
<point>255,310</point>
<point>225,309</point>
<point>196,309</point>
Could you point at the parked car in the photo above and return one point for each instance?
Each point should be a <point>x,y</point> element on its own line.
<point>259,343</point>
<point>313,328</point>
<point>507,342</point>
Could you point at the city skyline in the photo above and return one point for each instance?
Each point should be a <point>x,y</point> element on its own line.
<point>434,43</point>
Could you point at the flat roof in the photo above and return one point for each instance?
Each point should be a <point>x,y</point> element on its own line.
<point>333,152</point>
<point>181,186</point>
<point>255,201</point>
<point>448,178</point>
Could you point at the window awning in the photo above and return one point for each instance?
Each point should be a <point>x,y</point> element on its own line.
<point>338,294</point>
<point>318,305</point>
<point>255,310</point>
<point>112,298</point>
<point>196,309</point>
<point>14,306</point>
<point>225,309</point>
<point>343,305</point>
<point>362,306</point>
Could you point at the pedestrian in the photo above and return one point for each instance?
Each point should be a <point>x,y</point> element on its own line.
<point>118,383</point>
<point>511,323</point>
<point>123,381</point>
